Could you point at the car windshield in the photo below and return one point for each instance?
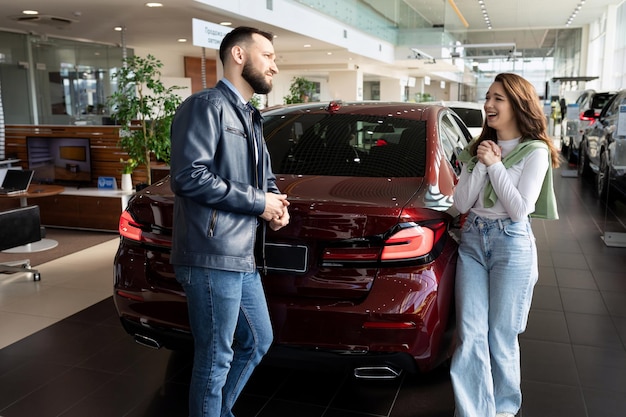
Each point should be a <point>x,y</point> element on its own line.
<point>346,145</point>
<point>471,117</point>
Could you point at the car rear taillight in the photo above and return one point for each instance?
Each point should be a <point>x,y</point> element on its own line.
<point>407,242</point>
<point>128,228</point>
<point>584,118</point>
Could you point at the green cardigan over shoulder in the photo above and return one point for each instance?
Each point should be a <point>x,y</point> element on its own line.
<point>545,206</point>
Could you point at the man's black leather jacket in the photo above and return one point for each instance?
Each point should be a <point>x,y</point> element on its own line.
<point>219,191</point>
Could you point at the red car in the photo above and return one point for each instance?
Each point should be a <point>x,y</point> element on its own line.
<point>365,270</point>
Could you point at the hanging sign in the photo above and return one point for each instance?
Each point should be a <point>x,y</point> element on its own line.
<point>207,34</point>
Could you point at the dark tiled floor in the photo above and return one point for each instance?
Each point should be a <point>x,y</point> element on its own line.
<point>573,353</point>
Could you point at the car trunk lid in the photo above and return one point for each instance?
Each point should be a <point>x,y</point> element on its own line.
<point>333,243</point>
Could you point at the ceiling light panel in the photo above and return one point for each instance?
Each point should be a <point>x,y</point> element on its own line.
<point>483,9</point>
<point>575,12</point>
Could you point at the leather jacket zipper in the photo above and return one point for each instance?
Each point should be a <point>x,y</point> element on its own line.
<point>255,146</point>
<point>258,167</point>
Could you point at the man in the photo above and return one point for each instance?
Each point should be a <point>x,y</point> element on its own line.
<point>224,186</point>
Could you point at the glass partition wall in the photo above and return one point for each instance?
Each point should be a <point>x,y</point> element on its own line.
<point>56,81</point>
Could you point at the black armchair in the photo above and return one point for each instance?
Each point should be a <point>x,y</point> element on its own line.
<point>19,226</point>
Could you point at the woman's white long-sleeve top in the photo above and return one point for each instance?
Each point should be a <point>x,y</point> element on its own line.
<point>517,188</point>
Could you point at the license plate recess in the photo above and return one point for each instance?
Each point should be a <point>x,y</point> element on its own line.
<point>285,257</point>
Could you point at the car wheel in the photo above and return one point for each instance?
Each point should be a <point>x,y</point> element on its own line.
<point>584,170</point>
<point>602,179</point>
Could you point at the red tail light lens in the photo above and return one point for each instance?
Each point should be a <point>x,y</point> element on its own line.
<point>587,119</point>
<point>128,228</point>
<point>129,295</point>
<point>408,243</point>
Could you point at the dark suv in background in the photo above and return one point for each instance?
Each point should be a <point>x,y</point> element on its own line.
<point>590,103</point>
<point>603,149</point>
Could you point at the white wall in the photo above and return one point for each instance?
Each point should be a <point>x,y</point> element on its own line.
<point>607,50</point>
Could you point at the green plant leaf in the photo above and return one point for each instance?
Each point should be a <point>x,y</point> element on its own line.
<point>299,88</point>
<point>144,108</point>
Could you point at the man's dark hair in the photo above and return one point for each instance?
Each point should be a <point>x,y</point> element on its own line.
<point>241,34</point>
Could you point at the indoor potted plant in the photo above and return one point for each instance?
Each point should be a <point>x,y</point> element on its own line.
<point>128,166</point>
<point>300,90</point>
<point>144,108</point>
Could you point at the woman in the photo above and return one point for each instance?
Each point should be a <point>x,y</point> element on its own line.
<point>506,178</point>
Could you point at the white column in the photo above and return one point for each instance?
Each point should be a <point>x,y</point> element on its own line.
<point>607,78</point>
<point>391,89</point>
<point>346,85</point>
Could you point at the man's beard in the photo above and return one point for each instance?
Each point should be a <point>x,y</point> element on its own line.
<point>255,79</point>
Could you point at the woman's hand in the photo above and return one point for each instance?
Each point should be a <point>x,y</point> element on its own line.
<point>489,152</point>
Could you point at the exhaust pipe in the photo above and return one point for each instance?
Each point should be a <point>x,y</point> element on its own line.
<point>376,372</point>
<point>147,341</point>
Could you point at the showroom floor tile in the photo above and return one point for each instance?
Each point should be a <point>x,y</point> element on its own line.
<point>64,352</point>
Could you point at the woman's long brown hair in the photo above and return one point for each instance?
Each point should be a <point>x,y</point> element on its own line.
<point>531,121</point>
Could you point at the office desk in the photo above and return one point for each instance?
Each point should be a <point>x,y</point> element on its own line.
<point>34,191</point>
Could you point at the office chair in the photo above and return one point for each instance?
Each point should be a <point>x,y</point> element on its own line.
<point>19,226</point>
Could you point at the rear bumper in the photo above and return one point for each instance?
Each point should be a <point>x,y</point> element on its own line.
<point>157,317</point>
<point>161,336</point>
<point>308,359</point>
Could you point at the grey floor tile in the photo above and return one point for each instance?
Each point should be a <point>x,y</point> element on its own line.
<point>575,278</point>
<point>583,301</point>
<point>615,302</point>
<point>569,260</point>
<point>548,362</point>
<point>542,399</point>
<point>546,325</point>
<point>593,330</point>
<point>546,297</point>
<point>601,403</point>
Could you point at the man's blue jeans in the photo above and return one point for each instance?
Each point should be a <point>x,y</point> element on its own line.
<point>496,274</point>
<point>232,331</point>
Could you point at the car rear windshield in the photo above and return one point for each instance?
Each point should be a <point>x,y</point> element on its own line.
<point>471,117</point>
<point>600,100</point>
<point>346,145</point>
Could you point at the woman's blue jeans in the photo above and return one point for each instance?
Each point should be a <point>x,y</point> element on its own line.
<point>496,274</point>
<point>232,331</point>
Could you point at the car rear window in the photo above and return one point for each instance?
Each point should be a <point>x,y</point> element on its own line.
<point>600,100</point>
<point>346,145</point>
<point>471,117</point>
